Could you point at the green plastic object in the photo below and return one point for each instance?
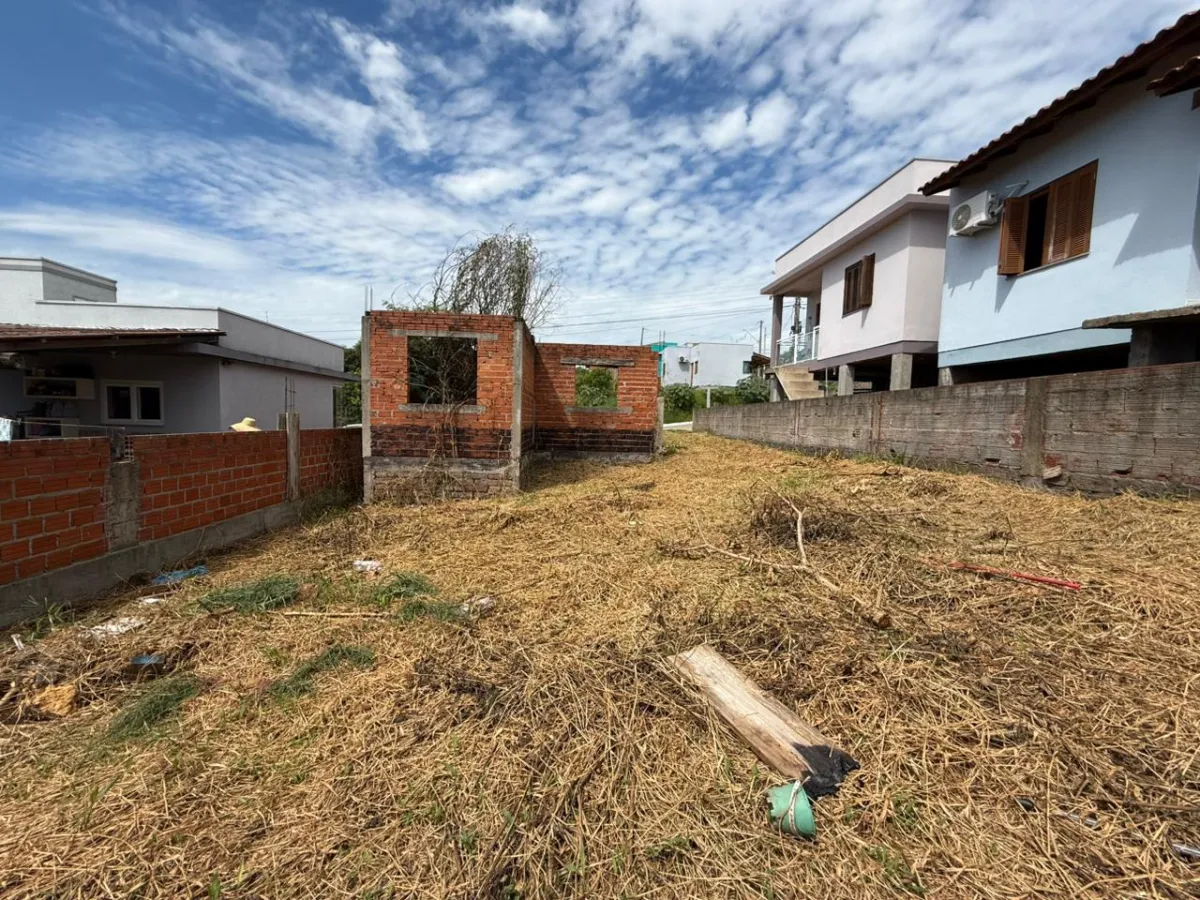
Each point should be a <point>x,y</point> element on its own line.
<point>791,811</point>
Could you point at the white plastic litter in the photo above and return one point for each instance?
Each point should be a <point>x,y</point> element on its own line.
<point>114,627</point>
<point>20,643</point>
<point>153,601</point>
<point>480,606</point>
<point>367,565</point>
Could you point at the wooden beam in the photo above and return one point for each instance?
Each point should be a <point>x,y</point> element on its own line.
<point>778,736</point>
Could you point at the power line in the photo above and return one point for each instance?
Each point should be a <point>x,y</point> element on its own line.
<point>572,326</point>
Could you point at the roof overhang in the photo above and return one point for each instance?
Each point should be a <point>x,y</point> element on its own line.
<point>790,282</point>
<point>1130,67</point>
<point>1181,78</point>
<point>31,339</point>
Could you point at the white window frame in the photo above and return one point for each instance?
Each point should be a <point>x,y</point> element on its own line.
<point>135,403</point>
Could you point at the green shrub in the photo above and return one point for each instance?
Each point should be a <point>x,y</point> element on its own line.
<point>753,390</point>
<point>678,398</point>
<point>595,387</point>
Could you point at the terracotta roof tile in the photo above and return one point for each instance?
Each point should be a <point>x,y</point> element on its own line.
<point>1129,66</point>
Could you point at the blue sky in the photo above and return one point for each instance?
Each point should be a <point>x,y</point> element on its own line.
<point>275,157</point>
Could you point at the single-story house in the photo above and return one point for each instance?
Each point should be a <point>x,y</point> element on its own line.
<point>74,361</point>
<point>867,289</point>
<point>705,363</point>
<point>1087,210</point>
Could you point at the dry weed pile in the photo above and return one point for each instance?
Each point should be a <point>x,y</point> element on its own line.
<point>1015,740</point>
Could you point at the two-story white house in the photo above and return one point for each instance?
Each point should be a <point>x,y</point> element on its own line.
<point>866,288</point>
<point>75,362</point>
<point>705,363</point>
<point>1087,210</point>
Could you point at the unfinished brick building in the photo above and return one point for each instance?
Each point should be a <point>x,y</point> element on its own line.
<point>461,405</point>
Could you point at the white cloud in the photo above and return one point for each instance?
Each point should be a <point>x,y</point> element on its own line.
<point>771,119</point>
<point>484,185</point>
<point>640,150</point>
<point>530,24</point>
<point>725,130</point>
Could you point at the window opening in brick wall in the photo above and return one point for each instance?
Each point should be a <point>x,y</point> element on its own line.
<point>596,387</point>
<point>442,370</point>
<point>133,403</point>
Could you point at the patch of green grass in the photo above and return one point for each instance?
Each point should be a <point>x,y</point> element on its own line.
<point>255,596</point>
<point>160,701</point>
<point>301,681</point>
<point>896,871</point>
<point>402,586</point>
<point>906,811</point>
<point>468,840</point>
<point>676,845</point>
<point>438,610</point>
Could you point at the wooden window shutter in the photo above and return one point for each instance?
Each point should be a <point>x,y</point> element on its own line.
<point>1012,236</point>
<point>1062,206</point>
<point>1079,240</point>
<point>866,290</point>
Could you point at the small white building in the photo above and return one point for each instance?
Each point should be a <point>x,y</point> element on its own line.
<point>1086,210</point>
<point>866,289</point>
<point>72,356</point>
<point>706,363</point>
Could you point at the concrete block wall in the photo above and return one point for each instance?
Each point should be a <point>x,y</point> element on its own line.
<point>67,502</point>
<point>51,504</point>
<point>632,427</point>
<point>1126,429</point>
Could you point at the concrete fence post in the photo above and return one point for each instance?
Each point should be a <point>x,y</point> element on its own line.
<point>290,422</point>
<point>1033,431</point>
<point>122,503</point>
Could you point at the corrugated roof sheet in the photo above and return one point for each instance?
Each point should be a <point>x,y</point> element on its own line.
<point>1131,65</point>
<point>11,332</point>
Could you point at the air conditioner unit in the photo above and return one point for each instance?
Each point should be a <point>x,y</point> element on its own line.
<point>975,214</point>
<point>684,360</point>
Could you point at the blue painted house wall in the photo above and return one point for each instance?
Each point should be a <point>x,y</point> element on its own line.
<point>1145,243</point>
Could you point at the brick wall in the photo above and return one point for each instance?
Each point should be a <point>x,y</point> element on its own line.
<point>192,480</point>
<point>1136,429</point>
<point>630,428</point>
<point>51,504</point>
<point>330,459</point>
<point>528,392</point>
<point>482,430</point>
<point>56,496</point>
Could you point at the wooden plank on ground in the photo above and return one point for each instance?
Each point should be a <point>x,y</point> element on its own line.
<point>778,736</point>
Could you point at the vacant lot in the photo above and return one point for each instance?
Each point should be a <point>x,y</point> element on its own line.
<point>365,737</point>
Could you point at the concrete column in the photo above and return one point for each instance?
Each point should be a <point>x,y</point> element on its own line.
<point>514,444</point>
<point>845,380</point>
<point>776,327</point>
<point>122,507</point>
<point>902,364</point>
<point>290,422</point>
<point>364,370</point>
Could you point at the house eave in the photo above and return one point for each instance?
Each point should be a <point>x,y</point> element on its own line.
<point>888,215</point>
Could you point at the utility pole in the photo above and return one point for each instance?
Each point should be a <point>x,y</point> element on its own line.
<point>642,339</point>
<point>760,335</point>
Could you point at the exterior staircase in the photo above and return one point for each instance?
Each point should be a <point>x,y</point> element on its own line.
<point>798,383</point>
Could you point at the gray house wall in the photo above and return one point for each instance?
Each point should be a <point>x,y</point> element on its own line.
<point>258,392</point>
<point>190,389</point>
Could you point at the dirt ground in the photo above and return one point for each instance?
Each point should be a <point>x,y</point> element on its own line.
<point>1015,739</point>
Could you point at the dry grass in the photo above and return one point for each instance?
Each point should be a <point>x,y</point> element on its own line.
<point>544,751</point>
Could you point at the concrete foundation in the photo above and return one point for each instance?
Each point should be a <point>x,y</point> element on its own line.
<point>410,479</point>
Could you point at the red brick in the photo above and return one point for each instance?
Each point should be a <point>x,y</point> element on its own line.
<point>13,510</point>
<point>27,568</point>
